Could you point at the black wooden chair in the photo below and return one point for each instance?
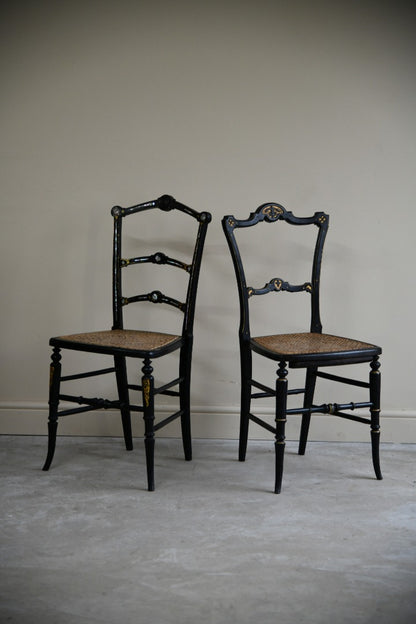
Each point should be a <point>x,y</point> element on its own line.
<point>309,351</point>
<point>123,343</point>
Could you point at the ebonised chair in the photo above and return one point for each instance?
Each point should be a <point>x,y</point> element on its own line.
<point>310,351</point>
<point>146,345</point>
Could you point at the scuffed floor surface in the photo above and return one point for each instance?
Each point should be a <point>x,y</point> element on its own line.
<point>86,543</point>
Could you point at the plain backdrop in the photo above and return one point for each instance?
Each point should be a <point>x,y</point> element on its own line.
<point>224,105</point>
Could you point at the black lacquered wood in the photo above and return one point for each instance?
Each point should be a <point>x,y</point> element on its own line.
<point>120,350</point>
<point>336,358</point>
<point>166,203</point>
<point>149,417</point>
<point>310,359</point>
<point>281,419</point>
<point>352,382</point>
<point>156,258</point>
<point>277,284</point>
<point>104,349</point>
<point>310,382</point>
<point>54,386</point>
<point>154,297</point>
<point>124,399</point>
<point>270,213</point>
<point>103,371</point>
<point>375,391</point>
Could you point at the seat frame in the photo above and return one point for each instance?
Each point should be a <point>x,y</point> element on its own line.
<point>272,213</point>
<point>146,385</point>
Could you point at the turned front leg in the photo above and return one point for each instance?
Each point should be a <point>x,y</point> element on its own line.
<point>281,406</point>
<point>375,390</point>
<point>54,385</point>
<point>149,417</point>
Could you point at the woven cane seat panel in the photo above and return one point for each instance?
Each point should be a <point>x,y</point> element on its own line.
<point>308,343</point>
<point>124,339</point>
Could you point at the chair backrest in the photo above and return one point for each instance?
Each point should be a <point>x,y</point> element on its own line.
<point>272,213</point>
<point>165,203</point>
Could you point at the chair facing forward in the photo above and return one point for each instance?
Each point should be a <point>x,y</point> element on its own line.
<point>123,343</point>
<point>310,351</point>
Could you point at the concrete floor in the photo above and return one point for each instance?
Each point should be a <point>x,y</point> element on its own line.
<point>86,543</point>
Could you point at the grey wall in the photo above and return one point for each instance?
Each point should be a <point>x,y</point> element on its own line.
<point>224,105</point>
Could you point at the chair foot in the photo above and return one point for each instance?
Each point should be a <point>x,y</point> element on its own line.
<point>280,453</point>
<point>150,453</point>
<point>304,430</point>
<point>242,450</point>
<point>242,447</point>
<point>128,439</point>
<point>375,448</point>
<point>127,433</point>
<point>186,435</point>
<point>47,463</point>
<point>310,383</point>
<point>52,429</point>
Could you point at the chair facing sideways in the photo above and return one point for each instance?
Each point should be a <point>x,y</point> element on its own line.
<point>121,343</point>
<point>311,350</point>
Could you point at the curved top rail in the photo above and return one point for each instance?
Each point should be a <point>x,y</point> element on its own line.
<point>166,203</point>
<point>271,212</point>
